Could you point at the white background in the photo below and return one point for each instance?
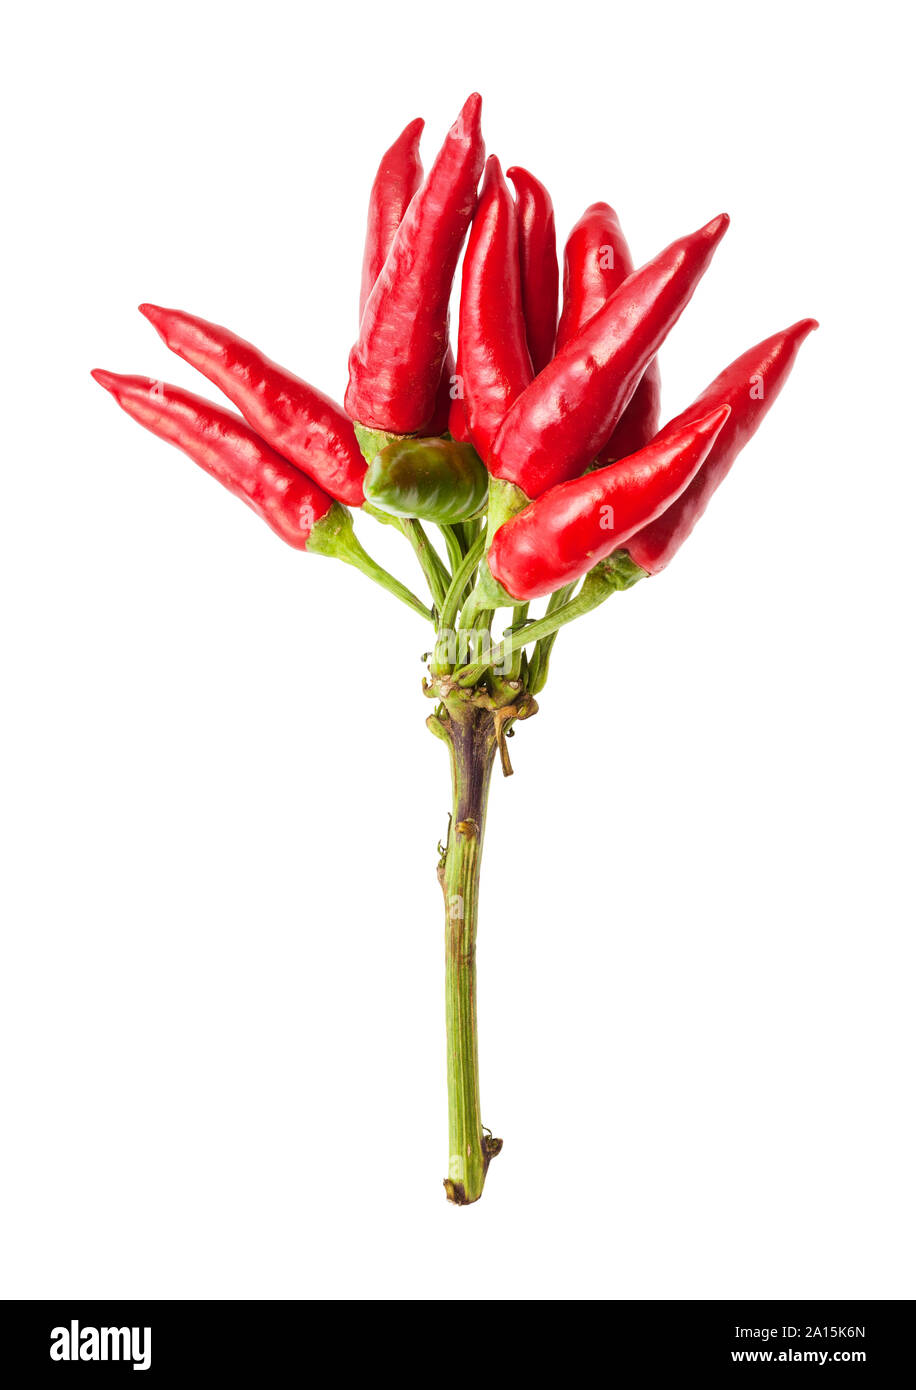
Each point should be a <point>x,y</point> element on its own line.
<point>223,1058</point>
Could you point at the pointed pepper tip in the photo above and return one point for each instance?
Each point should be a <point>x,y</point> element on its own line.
<point>470,111</point>
<point>411,133</point>
<point>526,182</point>
<point>718,226</point>
<point>521,178</point>
<point>160,319</point>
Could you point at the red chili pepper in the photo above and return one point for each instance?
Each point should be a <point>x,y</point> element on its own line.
<point>399,175</point>
<point>563,534</point>
<point>229,450</point>
<point>300,422</point>
<point>638,425</point>
<point>749,386</point>
<point>495,364</point>
<point>537,241</point>
<point>396,362</point>
<point>596,261</point>
<point>557,426</point>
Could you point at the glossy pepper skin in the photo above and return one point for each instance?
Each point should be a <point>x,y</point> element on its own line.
<point>492,346</point>
<point>557,426</point>
<point>431,479</point>
<point>296,419</point>
<point>226,448</point>
<point>562,535</point>
<point>396,362</point>
<point>749,386</point>
<point>399,175</point>
<point>537,243</point>
<point>397,179</point>
<point>596,261</point>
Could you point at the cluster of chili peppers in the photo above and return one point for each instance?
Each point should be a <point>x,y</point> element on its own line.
<point>537,451</point>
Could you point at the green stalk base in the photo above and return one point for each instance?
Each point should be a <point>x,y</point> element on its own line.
<point>471,735</point>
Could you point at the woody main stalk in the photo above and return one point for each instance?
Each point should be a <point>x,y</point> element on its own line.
<point>470,733</point>
<point>535,472</point>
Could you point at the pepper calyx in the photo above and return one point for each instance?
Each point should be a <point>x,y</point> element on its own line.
<point>372,441</point>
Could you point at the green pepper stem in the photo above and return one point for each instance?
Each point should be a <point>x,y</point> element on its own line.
<point>477,609</point>
<point>540,657</point>
<point>519,619</point>
<point>503,653</point>
<point>470,733</point>
<point>352,553</point>
<point>460,580</point>
<point>504,500</point>
<point>453,545</point>
<point>617,572</point>
<point>437,576</point>
<point>334,536</point>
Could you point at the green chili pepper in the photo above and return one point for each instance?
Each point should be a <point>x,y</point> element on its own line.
<point>432,479</point>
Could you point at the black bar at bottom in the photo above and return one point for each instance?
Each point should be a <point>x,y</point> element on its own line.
<point>53,1342</point>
